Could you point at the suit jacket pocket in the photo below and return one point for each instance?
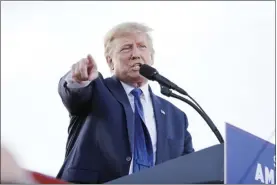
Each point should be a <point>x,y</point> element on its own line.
<point>81,176</point>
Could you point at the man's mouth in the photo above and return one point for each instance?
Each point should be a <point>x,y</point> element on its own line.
<point>136,66</point>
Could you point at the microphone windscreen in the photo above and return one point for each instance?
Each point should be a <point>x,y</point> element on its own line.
<point>147,71</point>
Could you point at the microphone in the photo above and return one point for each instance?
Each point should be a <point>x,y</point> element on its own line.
<point>152,74</point>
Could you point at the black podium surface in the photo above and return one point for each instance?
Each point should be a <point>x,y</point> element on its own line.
<point>204,166</point>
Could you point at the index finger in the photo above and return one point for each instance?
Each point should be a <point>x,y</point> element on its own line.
<point>90,59</point>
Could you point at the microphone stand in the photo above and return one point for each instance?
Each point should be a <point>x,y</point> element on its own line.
<point>167,92</point>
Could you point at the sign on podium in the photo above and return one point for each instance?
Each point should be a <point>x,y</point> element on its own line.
<point>249,159</point>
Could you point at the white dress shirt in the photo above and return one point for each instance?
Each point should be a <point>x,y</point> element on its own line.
<point>147,105</point>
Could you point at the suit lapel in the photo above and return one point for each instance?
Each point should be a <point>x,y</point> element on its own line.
<point>119,93</point>
<point>160,117</point>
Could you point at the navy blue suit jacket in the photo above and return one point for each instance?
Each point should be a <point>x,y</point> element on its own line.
<point>102,150</point>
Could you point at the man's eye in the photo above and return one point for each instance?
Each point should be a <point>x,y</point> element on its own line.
<point>124,49</point>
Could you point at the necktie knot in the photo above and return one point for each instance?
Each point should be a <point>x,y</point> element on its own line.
<point>136,92</point>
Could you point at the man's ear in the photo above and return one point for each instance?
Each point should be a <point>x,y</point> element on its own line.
<point>110,62</point>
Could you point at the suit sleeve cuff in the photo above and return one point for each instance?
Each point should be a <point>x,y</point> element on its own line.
<point>72,84</point>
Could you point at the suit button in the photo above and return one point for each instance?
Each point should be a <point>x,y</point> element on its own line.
<point>128,158</point>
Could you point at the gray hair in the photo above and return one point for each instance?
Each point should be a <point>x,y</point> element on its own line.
<point>127,27</point>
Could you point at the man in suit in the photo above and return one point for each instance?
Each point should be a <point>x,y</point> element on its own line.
<point>126,127</point>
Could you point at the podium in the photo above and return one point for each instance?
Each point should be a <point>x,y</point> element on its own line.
<point>248,160</point>
<point>205,166</point>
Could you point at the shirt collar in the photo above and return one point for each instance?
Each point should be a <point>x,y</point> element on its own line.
<point>129,88</point>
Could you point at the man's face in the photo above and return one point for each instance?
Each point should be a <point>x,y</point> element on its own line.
<point>129,51</point>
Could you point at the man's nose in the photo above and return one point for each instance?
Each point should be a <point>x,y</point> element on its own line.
<point>135,53</point>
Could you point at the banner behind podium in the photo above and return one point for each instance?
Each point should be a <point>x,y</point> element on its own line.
<point>249,159</point>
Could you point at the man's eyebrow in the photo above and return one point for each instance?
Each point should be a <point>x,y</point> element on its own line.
<point>126,44</point>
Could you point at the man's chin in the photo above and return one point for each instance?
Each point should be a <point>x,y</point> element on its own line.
<point>136,77</point>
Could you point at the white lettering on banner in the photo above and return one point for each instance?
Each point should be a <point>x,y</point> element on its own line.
<point>267,176</point>
<point>259,173</point>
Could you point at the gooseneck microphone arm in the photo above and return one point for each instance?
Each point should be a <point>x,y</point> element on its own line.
<point>167,92</point>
